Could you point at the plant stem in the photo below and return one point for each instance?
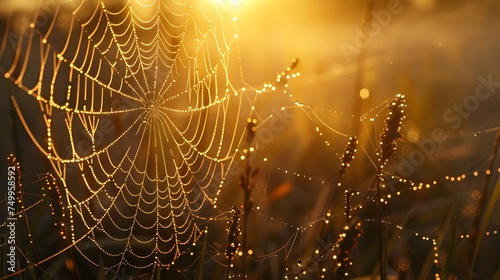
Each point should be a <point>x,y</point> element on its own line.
<point>365,198</point>
<point>228,268</point>
<point>381,247</point>
<point>244,244</point>
<point>202,257</point>
<point>246,210</point>
<point>75,264</point>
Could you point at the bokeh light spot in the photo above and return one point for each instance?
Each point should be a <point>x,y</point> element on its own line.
<point>364,93</point>
<point>413,134</point>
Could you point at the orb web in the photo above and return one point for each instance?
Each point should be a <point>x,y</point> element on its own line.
<point>141,108</point>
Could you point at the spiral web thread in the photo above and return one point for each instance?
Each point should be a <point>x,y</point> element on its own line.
<point>135,100</point>
<point>143,111</point>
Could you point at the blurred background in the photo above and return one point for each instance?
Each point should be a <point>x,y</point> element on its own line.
<point>436,53</point>
<point>442,55</point>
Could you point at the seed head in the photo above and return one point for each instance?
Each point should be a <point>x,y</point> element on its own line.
<point>233,230</point>
<point>55,198</point>
<point>347,242</point>
<point>348,154</point>
<point>251,129</point>
<point>391,132</point>
<point>15,167</point>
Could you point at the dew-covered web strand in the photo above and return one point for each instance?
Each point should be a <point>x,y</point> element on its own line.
<point>79,206</point>
<point>194,80</point>
<point>127,59</point>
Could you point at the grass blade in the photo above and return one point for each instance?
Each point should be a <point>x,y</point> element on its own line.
<point>478,230</point>
<point>199,274</point>
<point>424,273</point>
<point>484,222</point>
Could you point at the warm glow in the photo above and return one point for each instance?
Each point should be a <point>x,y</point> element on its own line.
<point>413,135</point>
<point>228,2</point>
<point>364,93</point>
<point>171,129</point>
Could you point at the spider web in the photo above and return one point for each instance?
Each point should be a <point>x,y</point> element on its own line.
<point>142,114</point>
<point>141,109</point>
